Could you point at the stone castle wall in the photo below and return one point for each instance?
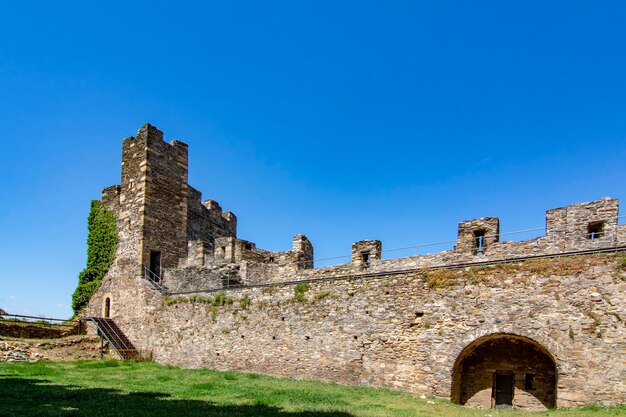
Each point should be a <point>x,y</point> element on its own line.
<point>403,331</point>
<point>435,323</point>
<point>206,224</point>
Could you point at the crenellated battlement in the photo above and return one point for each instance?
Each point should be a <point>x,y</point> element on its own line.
<point>578,227</point>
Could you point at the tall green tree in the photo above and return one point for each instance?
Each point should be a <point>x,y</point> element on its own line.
<point>101,246</point>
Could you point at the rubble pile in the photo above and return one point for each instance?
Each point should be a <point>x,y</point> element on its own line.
<point>14,353</point>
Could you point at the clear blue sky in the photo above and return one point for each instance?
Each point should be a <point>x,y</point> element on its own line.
<point>342,120</point>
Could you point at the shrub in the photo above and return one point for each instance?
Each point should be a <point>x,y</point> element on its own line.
<point>200,299</point>
<point>101,246</point>
<point>271,289</point>
<point>440,278</point>
<point>213,313</point>
<point>621,264</point>
<point>321,295</point>
<point>245,302</point>
<point>221,299</point>
<point>299,291</point>
<point>83,293</point>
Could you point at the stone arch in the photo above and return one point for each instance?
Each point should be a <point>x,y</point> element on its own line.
<point>489,361</point>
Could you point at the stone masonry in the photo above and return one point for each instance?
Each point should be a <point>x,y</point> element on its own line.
<point>490,323</point>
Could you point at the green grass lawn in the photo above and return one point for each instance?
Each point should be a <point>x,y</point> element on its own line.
<point>113,388</point>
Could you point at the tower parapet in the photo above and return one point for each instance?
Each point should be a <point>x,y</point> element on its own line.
<point>367,253</point>
<point>303,250</point>
<point>478,235</point>
<point>583,225</point>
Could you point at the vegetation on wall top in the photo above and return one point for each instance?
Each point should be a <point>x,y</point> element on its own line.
<point>101,247</point>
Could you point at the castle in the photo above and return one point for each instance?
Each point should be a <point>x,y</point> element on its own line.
<point>532,324</point>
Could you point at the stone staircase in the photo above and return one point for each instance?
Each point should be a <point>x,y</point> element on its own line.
<point>109,331</point>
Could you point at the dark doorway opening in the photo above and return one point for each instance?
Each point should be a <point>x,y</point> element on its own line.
<point>504,370</point>
<point>155,265</point>
<point>503,390</point>
<point>107,307</point>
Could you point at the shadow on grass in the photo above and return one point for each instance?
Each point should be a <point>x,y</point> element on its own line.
<point>36,397</point>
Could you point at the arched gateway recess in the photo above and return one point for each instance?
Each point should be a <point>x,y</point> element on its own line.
<point>503,371</point>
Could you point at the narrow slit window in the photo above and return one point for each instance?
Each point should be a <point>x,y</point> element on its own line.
<point>595,230</point>
<point>479,242</point>
<point>529,381</point>
<point>365,258</point>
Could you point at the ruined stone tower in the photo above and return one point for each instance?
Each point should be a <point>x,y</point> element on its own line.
<point>160,217</point>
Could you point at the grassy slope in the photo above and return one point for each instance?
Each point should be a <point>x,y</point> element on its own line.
<point>112,388</point>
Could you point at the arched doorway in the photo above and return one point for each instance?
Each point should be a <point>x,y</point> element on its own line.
<point>107,307</point>
<point>505,371</point>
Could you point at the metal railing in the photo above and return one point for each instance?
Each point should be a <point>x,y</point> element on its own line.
<point>153,278</point>
<point>37,320</point>
<point>40,321</point>
<point>117,340</point>
<point>138,355</point>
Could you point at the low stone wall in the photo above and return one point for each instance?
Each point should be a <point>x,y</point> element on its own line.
<point>30,330</point>
<point>403,331</point>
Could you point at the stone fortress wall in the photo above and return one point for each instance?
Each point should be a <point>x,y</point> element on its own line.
<point>460,324</point>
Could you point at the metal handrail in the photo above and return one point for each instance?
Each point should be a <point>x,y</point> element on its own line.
<point>100,332</point>
<point>152,277</point>
<point>113,332</point>
<point>141,355</point>
<point>44,320</point>
<point>116,341</point>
